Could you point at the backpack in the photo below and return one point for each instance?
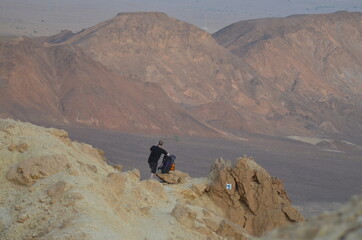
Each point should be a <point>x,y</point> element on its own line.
<point>168,162</point>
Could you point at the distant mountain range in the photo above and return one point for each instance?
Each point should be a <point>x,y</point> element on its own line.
<point>310,64</point>
<point>149,73</point>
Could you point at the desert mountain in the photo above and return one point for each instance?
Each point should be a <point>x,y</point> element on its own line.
<point>152,47</point>
<point>310,65</point>
<point>150,73</point>
<point>185,61</point>
<point>294,75</point>
<point>53,188</point>
<point>61,84</point>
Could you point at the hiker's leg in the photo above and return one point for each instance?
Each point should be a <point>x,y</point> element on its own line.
<point>153,167</point>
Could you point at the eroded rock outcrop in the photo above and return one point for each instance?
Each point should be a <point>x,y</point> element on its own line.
<point>55,188</point>
<point>208,223</point>
<point>173,177</point>
<point>254,200</point>
<point>30,170</point>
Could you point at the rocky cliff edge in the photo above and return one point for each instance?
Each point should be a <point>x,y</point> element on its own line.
<point>54,188</point>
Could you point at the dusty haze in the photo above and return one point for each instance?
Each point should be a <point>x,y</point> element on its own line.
<point>47,17</point>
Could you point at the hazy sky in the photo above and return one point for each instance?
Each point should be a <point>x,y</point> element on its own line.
<point>34,17</point>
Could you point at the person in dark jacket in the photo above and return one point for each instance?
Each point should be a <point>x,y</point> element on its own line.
<point>156,152</point>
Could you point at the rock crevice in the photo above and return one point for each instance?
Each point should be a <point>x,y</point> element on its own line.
<point>250,197</point>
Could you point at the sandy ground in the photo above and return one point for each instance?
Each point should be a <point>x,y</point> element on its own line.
<point>316,180</point>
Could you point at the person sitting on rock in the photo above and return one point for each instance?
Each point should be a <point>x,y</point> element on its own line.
<point>156,152</point>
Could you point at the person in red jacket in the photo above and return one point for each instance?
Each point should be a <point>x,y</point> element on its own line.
<point>156,152</point>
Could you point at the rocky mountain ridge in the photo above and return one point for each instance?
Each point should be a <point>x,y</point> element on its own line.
<point>183,60</point>
<point>308,98</point>
<point>313,63</point>
<point>149,73</point>
<point>61,84</point>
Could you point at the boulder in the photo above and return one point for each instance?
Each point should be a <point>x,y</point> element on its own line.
<point>173,177</point>
<point>250,197</point>
<point>60,134</point>
<point>154,187</point>
<point>118,167</point>
<point>200,188</point>
<point>184,215</point>
<point>213,227</point>
<point>231,230</point>
<point>27,172</point>
<point>22,147</point>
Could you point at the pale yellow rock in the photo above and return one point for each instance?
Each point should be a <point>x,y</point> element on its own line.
<point>145,210</point>
<point>155,187</point>
<point>212,224</point>
<point>22,147</point>
<point>188,194</point>
<point>184,215</point>
<point>28,171</point>
<point>23,217</point>
<point>231,230</point>
<point>73,172</point>
<point>260,202</point>
<point>200,188</point>
<point>59,189</point>
<point>118,167</point>
<point>92,168</point>
<point>173,177</point>
<point>61,134</point>
<point>77,196</point>
<point>115,182</point>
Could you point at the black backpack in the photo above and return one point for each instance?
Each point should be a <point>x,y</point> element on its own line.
<point>167,163</point>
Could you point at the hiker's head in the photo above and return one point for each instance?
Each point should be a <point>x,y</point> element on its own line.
<point>160,143</point>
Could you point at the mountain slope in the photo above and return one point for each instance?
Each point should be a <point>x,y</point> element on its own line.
<point>152,47</point>
<point>313,61</point>
<point>147,72</point>
<point>61,84</point>
<point>184,60</point>
<point>290,77</point>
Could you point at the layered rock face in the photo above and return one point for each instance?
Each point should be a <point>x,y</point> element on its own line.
<point>345,223</point>
<point>152,47</point>
<point>310,67</point>
<point>54,188</point>
<point>63,85</point>
<point>254,200</point>
<point>186,62</point>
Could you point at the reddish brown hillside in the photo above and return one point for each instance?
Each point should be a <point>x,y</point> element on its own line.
<point>61,84</point>
<point>286,81</point>
<point>152,47</point>
<point>295,75</point>
<point>313,63</point>
<point>190,67</point>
